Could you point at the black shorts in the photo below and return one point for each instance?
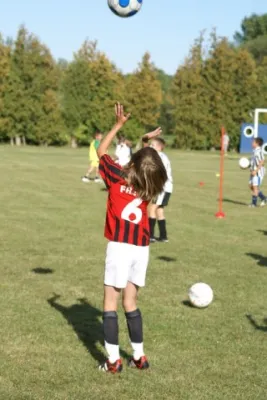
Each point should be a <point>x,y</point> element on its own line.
<point>163,199</point>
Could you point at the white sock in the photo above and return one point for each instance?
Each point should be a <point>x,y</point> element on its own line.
<point>113,351</point>
<point>138,350</point>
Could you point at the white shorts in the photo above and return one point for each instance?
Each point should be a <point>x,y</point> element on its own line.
<point>255,181</point>
<point>125,263</point>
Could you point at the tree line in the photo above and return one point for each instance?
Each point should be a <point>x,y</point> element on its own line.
<point>49,102</point>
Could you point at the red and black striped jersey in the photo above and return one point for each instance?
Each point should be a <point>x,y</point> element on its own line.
<point>127,217</point>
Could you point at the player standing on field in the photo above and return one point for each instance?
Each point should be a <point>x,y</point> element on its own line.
<point>130,190</point>
<point>257,172</point>
<point>156,209</point>
<point>93,159</point>
<point>226,142</point>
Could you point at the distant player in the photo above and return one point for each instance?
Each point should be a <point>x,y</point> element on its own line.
<point>156,209</point>
<point>130,190</point>
<point>123,152</point>
<point>257,172</point>
<point>93,159</point>
<point>226,142</point>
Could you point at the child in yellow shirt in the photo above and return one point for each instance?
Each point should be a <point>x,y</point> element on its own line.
<point>93,159</point>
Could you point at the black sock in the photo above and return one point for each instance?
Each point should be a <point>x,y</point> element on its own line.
<point>261,196</point>
<point>162,229</point>
<point>135,326</point>
<point>254,200</point>
<point>111,327</point>
<point>152,224</point>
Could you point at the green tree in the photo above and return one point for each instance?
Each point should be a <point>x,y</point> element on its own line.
<point>253,36</point>
<point>4,72</point>
<point>144,95</point>
<point>257,47</point>
<point>213,89</point>
<point>247,89</point>
<point>251,28</point>
<point>232,85</point>
<point>32,83</point>
<point>91,87</point>
<point>261,97</point>
<point>189,99</point>
<point>165,120</point>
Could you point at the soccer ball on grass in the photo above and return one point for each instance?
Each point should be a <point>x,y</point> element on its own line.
<point>200,295</point>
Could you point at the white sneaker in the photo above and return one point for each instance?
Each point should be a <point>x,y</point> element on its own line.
<point>97,180</point>
<point>85,179</point>
<point>263,203</point>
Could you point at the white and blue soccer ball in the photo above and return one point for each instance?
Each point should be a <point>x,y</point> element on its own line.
<point>125,8</point>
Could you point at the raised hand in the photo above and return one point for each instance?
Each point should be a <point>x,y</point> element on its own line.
<point>153,134</point>
<point>120,116</point>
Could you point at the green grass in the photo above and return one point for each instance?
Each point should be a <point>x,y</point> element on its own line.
<point>49,219</point>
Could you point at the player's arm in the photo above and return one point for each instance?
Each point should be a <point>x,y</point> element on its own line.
<point>151,135</point>
<point>121,119</point>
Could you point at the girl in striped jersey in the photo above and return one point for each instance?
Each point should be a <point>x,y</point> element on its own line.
<point>257,172</point>
<point>130,188</point>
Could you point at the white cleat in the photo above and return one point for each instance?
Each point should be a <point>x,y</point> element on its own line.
<point>85,179</point>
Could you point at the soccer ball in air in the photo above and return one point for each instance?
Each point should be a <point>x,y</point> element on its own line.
<point>244,163</point>
<point>125,8</point>
<point>200,295</point>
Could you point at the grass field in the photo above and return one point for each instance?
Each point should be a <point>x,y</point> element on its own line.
<point>52,257</point>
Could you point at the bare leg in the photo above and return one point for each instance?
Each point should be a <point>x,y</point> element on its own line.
<point>160,213</point>
<point>255,191</point>
<point>97,177</point>
<point>153,211</point>
<point>89,171</point>
<point>111,297</point>
<point>129,297</point>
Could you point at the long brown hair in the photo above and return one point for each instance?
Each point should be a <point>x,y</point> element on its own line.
<point>146,173</point>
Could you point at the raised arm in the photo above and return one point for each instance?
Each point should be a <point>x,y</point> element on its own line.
<point>121,119</point>
<point>150,135</point>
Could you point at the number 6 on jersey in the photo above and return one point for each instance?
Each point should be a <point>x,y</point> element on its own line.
<point>132,212</point>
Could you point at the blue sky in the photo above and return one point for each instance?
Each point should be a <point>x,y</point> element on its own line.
<point>166,28</point>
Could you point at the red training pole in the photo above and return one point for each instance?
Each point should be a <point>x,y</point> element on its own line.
<point>220,213</point>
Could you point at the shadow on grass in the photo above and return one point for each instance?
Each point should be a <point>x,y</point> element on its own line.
<point>187,303</point>
<point>262,261</point>
<point>42,271</point>
<point>167,259</point>
<point>240,203</point>
<point>264,232</point>
<point>254,323</point>
<point>84,319</point>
